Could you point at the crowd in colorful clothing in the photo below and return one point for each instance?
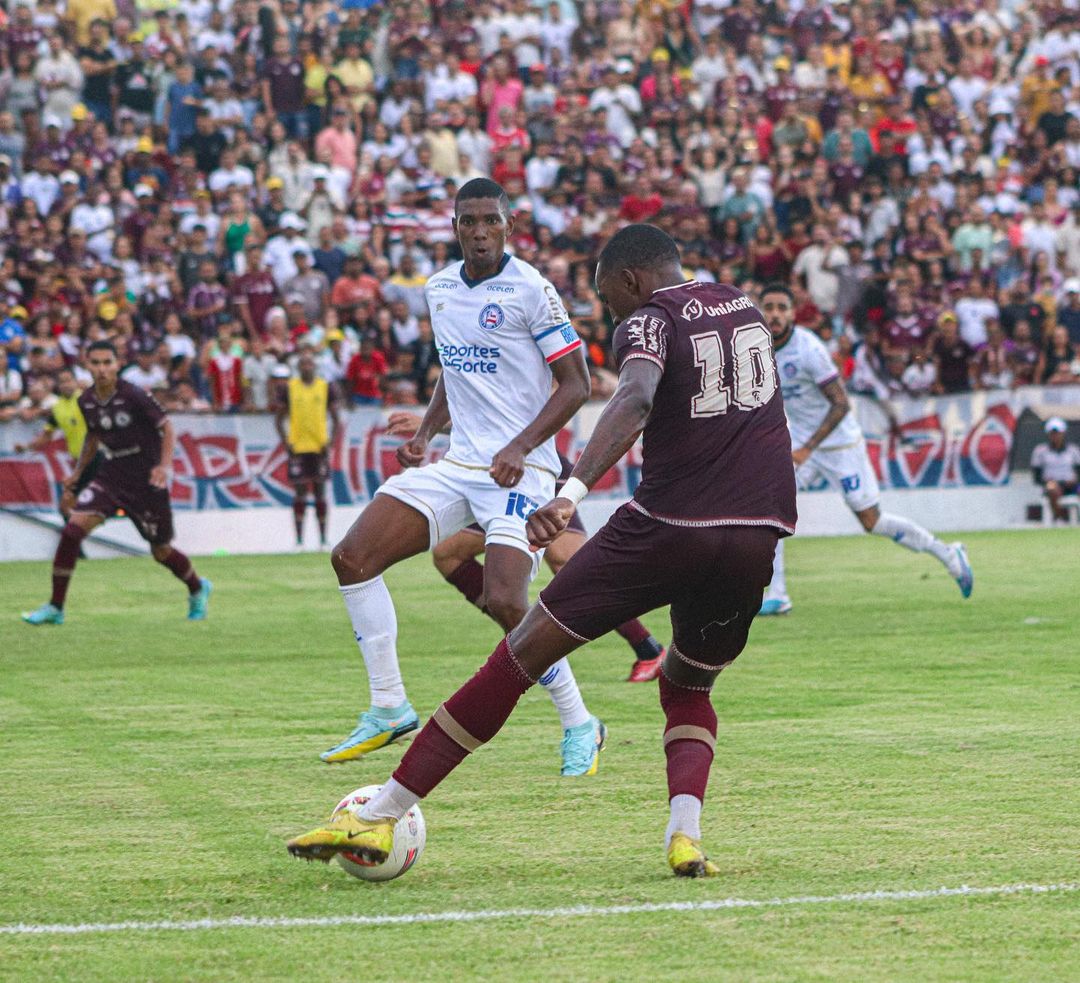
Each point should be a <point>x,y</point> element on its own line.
<point>221,185</point>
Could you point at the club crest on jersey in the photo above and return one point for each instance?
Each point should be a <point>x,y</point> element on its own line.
<point>791,370</point>
<point>123,419</point>
<point>491,317</point>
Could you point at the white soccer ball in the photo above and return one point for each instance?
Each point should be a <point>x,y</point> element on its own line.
<point>410,834</point>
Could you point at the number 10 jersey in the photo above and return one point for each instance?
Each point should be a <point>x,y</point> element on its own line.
<point>716,449</point>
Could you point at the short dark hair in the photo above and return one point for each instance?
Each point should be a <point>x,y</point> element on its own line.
<point>776,287</point>
<point>101,346</point>
<point>482,187</point>
<point>637,246</point>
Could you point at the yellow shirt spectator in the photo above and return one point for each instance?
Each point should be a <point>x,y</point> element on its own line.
<point>308,403</point>
<point>357,77</point>
<point>82,12</point>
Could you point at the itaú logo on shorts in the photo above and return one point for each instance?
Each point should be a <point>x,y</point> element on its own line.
<point>470,359</point>
<point>520,505</point>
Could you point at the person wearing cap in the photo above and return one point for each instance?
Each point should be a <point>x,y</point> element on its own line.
<point>1068,312</point>
<point>145,372</point>
<point>280,251</point>
<point>274,207</point>
<point>1055,466</point>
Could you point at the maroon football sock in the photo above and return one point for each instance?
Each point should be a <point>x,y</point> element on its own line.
<point>471,717</point>
<point>320,514</point>
<point>299,506</point>
<point>689,738</point>
<point>67,555</point>
<point>469,579</point>
<point>182,569</point>
<point>634,632</point>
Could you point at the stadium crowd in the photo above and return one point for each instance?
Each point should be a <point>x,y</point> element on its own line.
<point>220,185</point>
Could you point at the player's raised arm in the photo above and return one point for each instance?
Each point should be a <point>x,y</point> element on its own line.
<point>572,375</point>
<point>616,431</point>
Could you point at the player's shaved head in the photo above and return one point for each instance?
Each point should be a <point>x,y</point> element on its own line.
<point>637,261</point>
<point>638,247</point>
<point>479,188</point>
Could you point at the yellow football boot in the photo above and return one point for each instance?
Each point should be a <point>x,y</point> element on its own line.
<point>686,858</point>
<point>345,832</point>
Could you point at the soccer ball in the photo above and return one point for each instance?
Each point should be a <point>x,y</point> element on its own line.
<point>410,834</point>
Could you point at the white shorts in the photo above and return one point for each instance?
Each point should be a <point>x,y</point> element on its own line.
<point>848,470</point>
<point>452,496</point>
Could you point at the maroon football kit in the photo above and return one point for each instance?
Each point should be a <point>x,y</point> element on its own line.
<point>717,488</point>
<point>127,425</point>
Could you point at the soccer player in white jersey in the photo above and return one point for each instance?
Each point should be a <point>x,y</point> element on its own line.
<point>503,335</point>
<point>827,442</point>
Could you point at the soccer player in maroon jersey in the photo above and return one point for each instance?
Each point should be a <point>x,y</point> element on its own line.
<point>137,439</point>
<point>697,377</point>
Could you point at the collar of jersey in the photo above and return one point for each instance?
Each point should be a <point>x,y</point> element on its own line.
<point>470,282</point>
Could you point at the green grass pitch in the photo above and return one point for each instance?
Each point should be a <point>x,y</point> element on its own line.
<point>885,736</point>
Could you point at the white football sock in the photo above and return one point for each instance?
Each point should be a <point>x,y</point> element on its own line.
<point>685,818</point>
<point>392,801</point>
<point>374,622</point>
<point>563,689</point>
<point>778,585</point>
<point>913,537</point>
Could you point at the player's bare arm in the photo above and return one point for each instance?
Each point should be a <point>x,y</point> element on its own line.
<point>411,453</point>
<point>89,450</point>
<point>572,375</point>
<point>616,431</point>
<point>161,474</point>
<point>280,416</point>
<point>834,392</point>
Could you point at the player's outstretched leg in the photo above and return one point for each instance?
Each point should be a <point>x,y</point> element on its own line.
<point>386,532</point>
<point>181,567</point>
<point>910,535</point>
<point>469,719</point>
<point>67,556</point>
<point>648,652</point>
<point>776,596</point>
<point>507,572</point>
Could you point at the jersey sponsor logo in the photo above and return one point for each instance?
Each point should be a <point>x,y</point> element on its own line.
<point>694,308</point>
<point>491,317</point>
<point>569,335</point>
<point>520,505</point>
<point>444,285</point>
<point>105,422</point>
<point>647,333</point>
<point>470,359</point>
<point>850,483</point>
<point>500,288</point>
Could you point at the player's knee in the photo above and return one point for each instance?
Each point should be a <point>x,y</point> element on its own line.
<point>869,517</point>
<point>355,562</point>
<point>161,552</point>
<point>507,611</point>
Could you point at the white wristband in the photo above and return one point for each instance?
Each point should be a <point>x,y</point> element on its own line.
<point>574,490</point>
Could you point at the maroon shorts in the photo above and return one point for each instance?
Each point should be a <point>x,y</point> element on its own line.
<point>712,576</point>
<point>146,506</point>
<point>308,467</point>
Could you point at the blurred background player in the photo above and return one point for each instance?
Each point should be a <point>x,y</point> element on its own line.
<point>137,440</point>
<point>1055,465</point>
<point>504,337</point>
<point>455,559</point>
<point>696,375</point>
<point>66,417</point>
<point>309,400</point>
<point>827,442</point>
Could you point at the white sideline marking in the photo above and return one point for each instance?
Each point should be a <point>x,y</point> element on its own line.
<point>578,911</point>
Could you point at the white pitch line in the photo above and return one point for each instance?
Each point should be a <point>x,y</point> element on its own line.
<point>578,911</point>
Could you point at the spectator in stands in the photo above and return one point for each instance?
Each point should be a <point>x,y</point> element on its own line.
<point>1055,465</point>
<point>952,356</point>
<point>365,374</point>
<point>1060,365</point>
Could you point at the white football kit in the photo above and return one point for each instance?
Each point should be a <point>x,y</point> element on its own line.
<point>804,366</point>
<point>496,338</point>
